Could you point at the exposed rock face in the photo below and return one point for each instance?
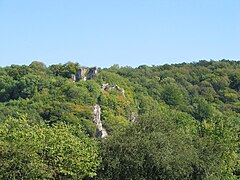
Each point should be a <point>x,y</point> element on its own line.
<point>108,87</point>
<point>101,132</point>
<point>133,117</point>
<point>73,78</point>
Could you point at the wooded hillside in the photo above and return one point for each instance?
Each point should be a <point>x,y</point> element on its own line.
<point>177,121</point>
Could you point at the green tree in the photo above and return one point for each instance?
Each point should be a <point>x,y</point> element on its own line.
<point>173,95</point>
<point>217,146</point>
<point>148,150</point>
<point>43,152</point>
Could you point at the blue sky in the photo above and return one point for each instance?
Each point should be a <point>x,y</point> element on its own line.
<point>124,32</point>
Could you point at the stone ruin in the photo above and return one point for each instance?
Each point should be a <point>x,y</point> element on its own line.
<point>84,74</point>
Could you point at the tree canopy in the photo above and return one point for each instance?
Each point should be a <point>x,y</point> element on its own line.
<point>178,121</point>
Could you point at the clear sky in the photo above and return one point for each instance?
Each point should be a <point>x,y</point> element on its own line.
<point>124,32</point>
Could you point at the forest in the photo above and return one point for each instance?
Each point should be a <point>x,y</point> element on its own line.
<point>172,121</point>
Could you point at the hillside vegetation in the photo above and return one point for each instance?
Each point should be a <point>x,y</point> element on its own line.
<point>177,121</point>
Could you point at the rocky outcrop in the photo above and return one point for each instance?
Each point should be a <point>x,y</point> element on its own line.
<point>108,87</point>
<point>73,78</point>
<point>101,132</point>
<point>133,117</point>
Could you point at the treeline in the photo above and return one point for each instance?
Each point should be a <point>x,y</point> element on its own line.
<point>177,121</point>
